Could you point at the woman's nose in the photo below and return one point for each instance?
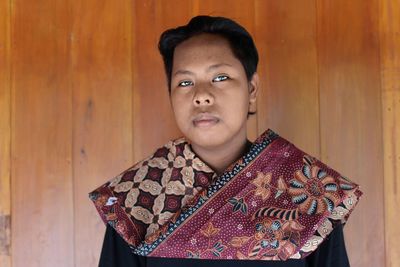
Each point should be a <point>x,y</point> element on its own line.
<point>203,97</point>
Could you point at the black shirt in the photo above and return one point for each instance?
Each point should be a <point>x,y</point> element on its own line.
<point>117,253</point>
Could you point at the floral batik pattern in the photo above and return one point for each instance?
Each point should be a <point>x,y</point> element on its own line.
<point>313,189</point>
<point>274,203</point>
<point>215,247</point>
<point>273,239</point>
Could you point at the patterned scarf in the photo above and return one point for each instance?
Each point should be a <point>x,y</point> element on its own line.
<point>274,203</point>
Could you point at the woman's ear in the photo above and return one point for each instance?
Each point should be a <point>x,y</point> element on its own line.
<point>253,88</point>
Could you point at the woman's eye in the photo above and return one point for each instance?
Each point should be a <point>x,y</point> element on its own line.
<point>185,83</point>
<point>220,78</point>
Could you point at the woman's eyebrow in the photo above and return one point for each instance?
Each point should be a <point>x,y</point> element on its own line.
<point>210,68</point>
<point>183,72</point>
<point>215,66</point>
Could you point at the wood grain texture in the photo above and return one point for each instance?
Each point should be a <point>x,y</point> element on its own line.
<point>5,135</point>
<point>42,204</point>
<point>390,80</point>
<point>241,11</point>
<point>83,95</point>
<point>102,104</point>
<point>154,123</point>
<point>350,112</point>
<point>288,103</point>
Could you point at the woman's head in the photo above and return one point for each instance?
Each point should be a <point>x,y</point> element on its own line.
<point>211,68</point>
<point>239,39</point>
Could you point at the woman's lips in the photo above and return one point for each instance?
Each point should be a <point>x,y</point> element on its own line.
<point>205,120</point>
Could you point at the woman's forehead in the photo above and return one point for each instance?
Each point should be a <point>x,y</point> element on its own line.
<point>203,40</point>
<point>206,50</point>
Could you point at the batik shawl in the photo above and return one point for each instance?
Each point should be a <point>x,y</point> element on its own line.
<point>274,203</point>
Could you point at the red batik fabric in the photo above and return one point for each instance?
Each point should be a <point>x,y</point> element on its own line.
<point>274,203</point>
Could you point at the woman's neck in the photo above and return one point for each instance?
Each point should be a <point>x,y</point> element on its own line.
<point>220,158</point>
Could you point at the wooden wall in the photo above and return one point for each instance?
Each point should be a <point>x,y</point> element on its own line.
<point>83,96</point>
<point>5,134</point>
<point>389,31</point>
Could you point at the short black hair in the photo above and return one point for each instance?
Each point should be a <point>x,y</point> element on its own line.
<point>240,40</point>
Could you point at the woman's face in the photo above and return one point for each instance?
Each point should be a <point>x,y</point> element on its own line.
<point>210,93</point>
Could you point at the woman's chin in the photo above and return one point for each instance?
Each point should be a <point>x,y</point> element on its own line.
<point>206,141</point>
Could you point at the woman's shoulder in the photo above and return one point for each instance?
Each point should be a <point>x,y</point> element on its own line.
<point>117,253</point>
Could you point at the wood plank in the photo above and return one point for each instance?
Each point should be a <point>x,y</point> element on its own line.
<point>154,123</point>
<point>389,17</point>
<point>350,105</point>
<point>288,102</point>
<point>102,104</point>
<point>42,209</point>
<point>241,11</point>
<point>5,134</point>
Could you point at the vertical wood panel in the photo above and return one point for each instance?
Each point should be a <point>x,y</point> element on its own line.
<point>102,104</point>
<point>390,71</point>
<point>242,11</point>
<point>154,123</point>
<point>42,211</point>
<point>5,135</point>
<point>288,103</point>
<point>351,116</point>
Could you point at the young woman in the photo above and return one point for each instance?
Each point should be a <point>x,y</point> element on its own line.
<point>213,198</point>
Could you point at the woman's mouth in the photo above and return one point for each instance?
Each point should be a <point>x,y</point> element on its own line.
<point>205,120</point>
